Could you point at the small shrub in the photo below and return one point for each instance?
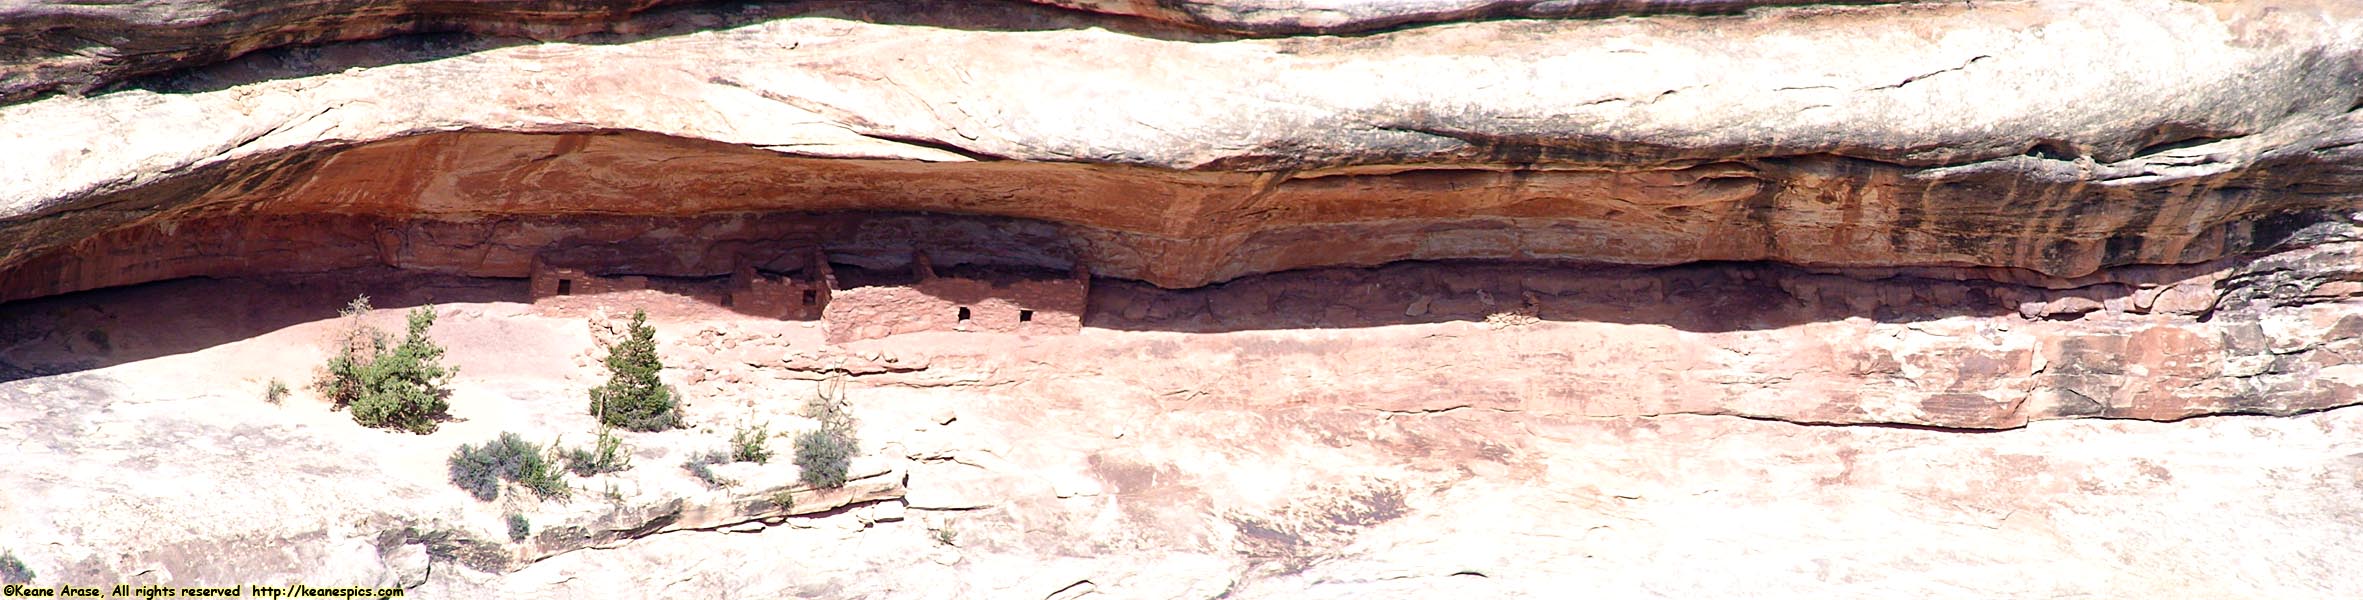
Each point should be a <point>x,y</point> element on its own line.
<point>13,570</point>
<point>606,455</point>
<point>276,392</point>
<point>747,445</point>
<point>824,455</point>
<point>704,472</point>
<point>480,469</point>
<point>702,466</point>
<point>827,405</point>
<point>945,535</point>
<point>783,500</point>
<point>519,527</point>
<point>403,386</point>
<point>633,398</point>
<point>340,380</point>
<point>541,474</point>
<point>751,445</point>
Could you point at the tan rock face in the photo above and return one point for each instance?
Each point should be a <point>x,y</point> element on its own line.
<point>1813,136</point>
<point>1166,227</point>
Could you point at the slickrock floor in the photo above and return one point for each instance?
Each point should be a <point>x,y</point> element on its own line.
<point>1443,456</point>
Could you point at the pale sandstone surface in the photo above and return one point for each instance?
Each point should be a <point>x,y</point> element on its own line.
<point>1131,464</point>
<point>1342,16</point>
<point>2032,135</point>
<point>82,47</point>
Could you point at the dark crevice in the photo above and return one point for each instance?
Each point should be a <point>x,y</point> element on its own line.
<point>2052,150</point>
<point>1869,425</point>
<point>657,527</point>
<point>935,144</point>
<point>1916,78</point>
<point>2168,137</point>
<point>2178,144</point>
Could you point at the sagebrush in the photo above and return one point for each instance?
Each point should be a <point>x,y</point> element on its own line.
<point>480,469</point>
<point>702,466</point>
<point>825,454</point>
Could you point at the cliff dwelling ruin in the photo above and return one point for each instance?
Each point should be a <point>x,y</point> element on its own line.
<point>867,303</point>
<point>1692,299</point>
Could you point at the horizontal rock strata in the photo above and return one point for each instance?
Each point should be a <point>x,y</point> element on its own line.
<point>2026,136</point>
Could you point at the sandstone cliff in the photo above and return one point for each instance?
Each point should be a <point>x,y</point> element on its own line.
<point>2030,135</point>
<point>1416,298</point>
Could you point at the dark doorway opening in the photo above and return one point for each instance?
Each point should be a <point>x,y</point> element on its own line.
<point>963,313</point>
<point>811,297</point>
<point>565,287</point>
<point>1025,316</point>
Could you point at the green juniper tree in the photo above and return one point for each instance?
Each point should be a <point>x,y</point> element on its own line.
<point>394,385</point>
<point>633,398</point>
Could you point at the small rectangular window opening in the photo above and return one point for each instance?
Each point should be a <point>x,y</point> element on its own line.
<point>1025,316</point>
<point>811,297</point>
<point>963,313</point>
<point>565,287</point>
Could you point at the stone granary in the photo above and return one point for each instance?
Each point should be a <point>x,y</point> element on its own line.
<point>755,293</point>
<point>998,302</point>
<point>551,280</point>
